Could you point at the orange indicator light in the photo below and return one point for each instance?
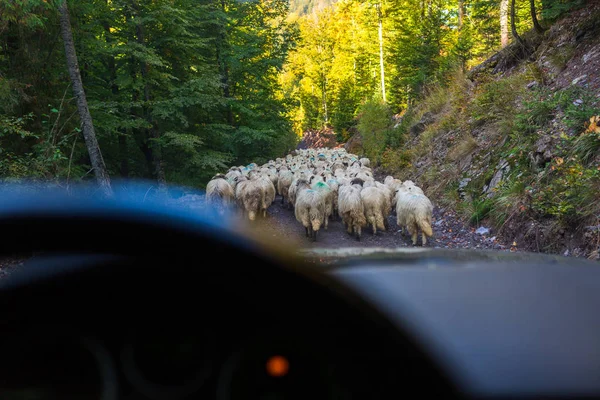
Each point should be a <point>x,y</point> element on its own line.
<point>278,366</point>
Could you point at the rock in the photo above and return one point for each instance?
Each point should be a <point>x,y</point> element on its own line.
<point>533,85</point>
<point>482,231</point>
<point>462,185</point>
<point>355,144</point>
<point>566,253</point>
<point>593,53</point>
<point>465,162</point>
<point>578,102</point>
<point>593,228</point>
<point>543,151</point>
<point>502,169</point>
<point>439,222</point>
<point>581,78</point>
<point>420,126</point>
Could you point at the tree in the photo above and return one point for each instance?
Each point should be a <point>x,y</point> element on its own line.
<point>87,125</point>
<point>504,23</point>
<point>381,64</point>
<point>536,24</point>
<point>513,23</point>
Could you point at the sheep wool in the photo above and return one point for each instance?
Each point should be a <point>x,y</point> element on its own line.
<point>375,206</point>
<point>351,209</point>
<point>250,196</point>
<point>219,193</point>
<point>414,211</point>
<point>309,209</point>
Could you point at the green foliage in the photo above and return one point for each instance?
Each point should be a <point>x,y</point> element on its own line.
<point>481,208</point>
<point>375,127</point>
<point>194,83</point>
<point>496,100</point>
<point>577,104</point>
<point>587,145</point>
<point>394,160</point>
<point>555,8</point>
<point>570,192</point>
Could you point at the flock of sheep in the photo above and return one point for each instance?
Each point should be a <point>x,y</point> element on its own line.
<point>321,184</point>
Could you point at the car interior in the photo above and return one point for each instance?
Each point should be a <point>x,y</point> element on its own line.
<point>130,301</point>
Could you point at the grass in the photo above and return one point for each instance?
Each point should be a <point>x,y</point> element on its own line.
<point>463,148</point>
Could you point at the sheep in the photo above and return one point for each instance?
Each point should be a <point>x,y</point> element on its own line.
<point>283,185</point>
<point>317,184</point>
<point>250,197</point>
<point>236,180</point>
<point>375,206</point>
<point>309,209</point>
<point>414,211</point>
<point>351,208</point>
<point>334,185</point>
<point>219,192</point>
<point>269,191</point>
<point>292,193</point>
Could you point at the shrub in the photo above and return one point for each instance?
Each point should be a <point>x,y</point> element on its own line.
<point>375,128</point>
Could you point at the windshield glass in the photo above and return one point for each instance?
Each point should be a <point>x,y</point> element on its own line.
<point>336,128</point>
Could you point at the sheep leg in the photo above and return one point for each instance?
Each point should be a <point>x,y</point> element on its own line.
<point>326,222</point>
<point>357,230</point>
<point>306,231</point>
<point>314,239</point>
<point>282,200</point>
<point>374,227</point>
<point>424,238</point>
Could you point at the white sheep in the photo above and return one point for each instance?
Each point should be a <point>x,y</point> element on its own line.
<point>219,193</point>
<point>250,197</point>
<point>375,205</point>
<point>334,185</point>
<point>284,182</point>
<point>318,185</point>
<point>309,208</point>
<point>269,191</point>
<point>414,211</point>
<point>351,208</point>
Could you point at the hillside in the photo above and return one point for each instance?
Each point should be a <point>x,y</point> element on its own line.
<point>514,144</point>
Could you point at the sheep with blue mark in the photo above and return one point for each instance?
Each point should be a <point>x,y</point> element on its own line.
<point>309,208</point>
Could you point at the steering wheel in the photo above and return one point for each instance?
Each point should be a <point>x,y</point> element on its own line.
<point>143,268</point>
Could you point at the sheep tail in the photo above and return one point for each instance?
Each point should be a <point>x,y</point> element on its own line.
<point>426,227</point>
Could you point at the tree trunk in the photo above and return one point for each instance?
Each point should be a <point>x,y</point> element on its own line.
<point>513,22</point>
<point>224,68</point>
<point>461,13</point>
<point>381,65</point>
<point>504,23</point>
<point>114,88</point>
<point>152,133</point>
<point>536,24</point>
<point>324,96</point>
<point>87,125</point>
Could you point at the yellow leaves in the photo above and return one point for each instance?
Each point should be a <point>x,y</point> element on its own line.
<point>559,161</point>
<point>594,126</point>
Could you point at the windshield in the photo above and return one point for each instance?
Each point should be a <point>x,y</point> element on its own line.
<point>338,128</point>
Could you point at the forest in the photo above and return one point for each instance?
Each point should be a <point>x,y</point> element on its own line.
<point>176,89</point>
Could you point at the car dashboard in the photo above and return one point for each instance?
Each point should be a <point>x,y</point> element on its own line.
<point>119,328</point>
